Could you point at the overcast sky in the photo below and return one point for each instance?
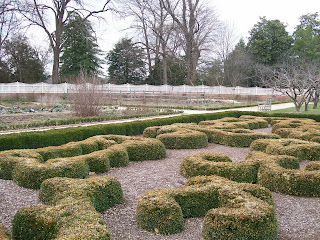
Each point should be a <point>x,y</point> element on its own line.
<point>242,14</point>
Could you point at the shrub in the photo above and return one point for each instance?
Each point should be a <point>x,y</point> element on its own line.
<point>177,136</point>
<point>72,214</point>
<point>207,164</point>
<point>281,173</point>
<point>29,168</point>
<point>184,139</point>
<point>218,198</point>
<point>4,233</point>
<point>234,137</point>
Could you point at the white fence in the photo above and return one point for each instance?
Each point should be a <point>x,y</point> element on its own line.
<point>17,87</point>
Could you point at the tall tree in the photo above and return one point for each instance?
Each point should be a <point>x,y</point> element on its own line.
<point>269,41</point>
<point>24,61</point>
<point>80,51</point>
<point>40,12</point>
<point>126,63</point>
<point>197,24</point>
<point>307,38</point>
<point>157,33</point>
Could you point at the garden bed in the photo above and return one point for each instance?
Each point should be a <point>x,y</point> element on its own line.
<point>297,216</point>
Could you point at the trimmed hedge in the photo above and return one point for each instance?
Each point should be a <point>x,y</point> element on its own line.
<point>281,173</point>
<point>248,122</point>
<point>4,233</point>
<point>232,210</point>
<point>30,140</point>
<point>207,164</point>
<point>30,167</point>
<point>303,150</point>
<point>292,123</point>
<point>73,210</point>
<point>234,137</point>
<point>177,136</point>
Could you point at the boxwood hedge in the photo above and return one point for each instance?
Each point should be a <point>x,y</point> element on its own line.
<point>30,167</point>
<point>232,210</point>
<point>72,213</point>
<point>4,233</point>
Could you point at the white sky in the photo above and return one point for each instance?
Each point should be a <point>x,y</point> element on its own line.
<point>242,14</point>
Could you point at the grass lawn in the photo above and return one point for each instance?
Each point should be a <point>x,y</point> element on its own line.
<point>292,110</point>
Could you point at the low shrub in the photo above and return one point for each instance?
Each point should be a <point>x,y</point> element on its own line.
<point>231,209</point>
<point>248,122</point>
<point>281,173</point>
<point>184,139</point>
<point>178,136</point>
<point>30,167</point>
<point>4,233</point>
<point>234,137</point>
<point>207,164</point>
<point>73,210</point>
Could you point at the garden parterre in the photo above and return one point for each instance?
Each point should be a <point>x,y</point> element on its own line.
<point>121,141</point>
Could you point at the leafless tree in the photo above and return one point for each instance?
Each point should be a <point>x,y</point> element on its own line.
<point>156,28</point>
<point>9,22</point>
<point>197,24</point>
<point>51,16</point>
<point>292,80</point>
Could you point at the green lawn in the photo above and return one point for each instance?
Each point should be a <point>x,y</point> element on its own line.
<point>292,110</point>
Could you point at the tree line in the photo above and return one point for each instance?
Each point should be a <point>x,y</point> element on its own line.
<point>173,42</point>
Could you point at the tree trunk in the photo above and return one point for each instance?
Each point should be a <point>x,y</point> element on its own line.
<point>306,106</point>
<point>55,68</point>
<point>297,106</point>
<point>316,100</point>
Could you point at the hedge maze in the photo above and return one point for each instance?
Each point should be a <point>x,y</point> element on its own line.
<point>230,131</point>
<point>30,167</point>
<point>234,197</point>
<point>72,203</point>
<point>71,210</point>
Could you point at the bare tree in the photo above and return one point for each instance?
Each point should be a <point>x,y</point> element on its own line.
<point>51,16</point>
<point>157,30</point>
<point>9,23</point>
<point>197,24</point>
<point>291,80</point>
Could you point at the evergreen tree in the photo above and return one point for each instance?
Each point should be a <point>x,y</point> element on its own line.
<point>126,63</point>
<point>307,38</point>
<point>80,52</point>
<point>24,61</point>
<point>269,42</point>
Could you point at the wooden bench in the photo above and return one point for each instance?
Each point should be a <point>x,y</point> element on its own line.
<point>266,106</point>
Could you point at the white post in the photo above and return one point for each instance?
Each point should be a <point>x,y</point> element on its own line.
<point>18,87</point>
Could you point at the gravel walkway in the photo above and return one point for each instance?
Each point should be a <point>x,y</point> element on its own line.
<point>298,217</point>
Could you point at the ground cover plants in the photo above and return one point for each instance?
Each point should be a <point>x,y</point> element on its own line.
<point>163,211</point>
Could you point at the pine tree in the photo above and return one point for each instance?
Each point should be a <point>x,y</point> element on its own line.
<point>126,63</point>
<point>80,52</point>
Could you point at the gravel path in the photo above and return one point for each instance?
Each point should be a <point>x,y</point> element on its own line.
<point>298,217</point>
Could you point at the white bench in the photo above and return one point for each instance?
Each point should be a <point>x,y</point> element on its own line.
<point>266,106</point>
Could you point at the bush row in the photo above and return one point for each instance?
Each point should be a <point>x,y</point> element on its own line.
<point>30,167</point>
<point>234,137</point>
<point>232,210</point>
<point>276,171</point>
<point>61,136</point>
<point>176,137</point>
<point>72,213</point>
<point>244,121</point>
<point>302,150</point>
<point>4,233</point>
<point>281,173</point>
<point>56,137</point>
<point>207,164</point>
